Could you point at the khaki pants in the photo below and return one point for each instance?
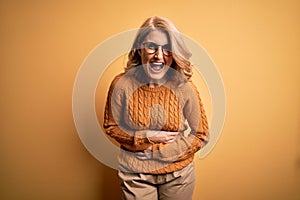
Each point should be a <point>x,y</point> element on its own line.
<point>178,185</point>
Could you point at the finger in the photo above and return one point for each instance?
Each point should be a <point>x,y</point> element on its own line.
<point>167,138</point>
<point>173,133</point>
<point>172,140</point>
<point>141,156</point>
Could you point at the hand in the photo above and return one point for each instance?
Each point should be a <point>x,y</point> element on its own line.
<point>146,154</point>
<point>162,136</point>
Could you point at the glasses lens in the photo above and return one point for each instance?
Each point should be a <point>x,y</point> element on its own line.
<point>167,49</point>
<point>151,48</point>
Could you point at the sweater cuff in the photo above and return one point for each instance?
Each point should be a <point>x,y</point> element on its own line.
<point>140,138</point>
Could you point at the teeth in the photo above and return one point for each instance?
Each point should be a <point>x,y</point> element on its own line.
<point>157,64</point>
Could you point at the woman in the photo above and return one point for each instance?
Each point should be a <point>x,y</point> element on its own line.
<point>154,112</point>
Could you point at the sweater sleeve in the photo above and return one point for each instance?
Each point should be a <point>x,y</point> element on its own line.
<point>114,124</point>
<point>186,146</point>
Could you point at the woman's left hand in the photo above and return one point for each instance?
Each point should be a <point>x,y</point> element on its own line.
<point>145,155</point>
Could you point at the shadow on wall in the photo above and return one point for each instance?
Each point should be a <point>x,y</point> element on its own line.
<point>110,184</point>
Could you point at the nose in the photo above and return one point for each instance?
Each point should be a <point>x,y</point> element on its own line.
<point>159,53</point>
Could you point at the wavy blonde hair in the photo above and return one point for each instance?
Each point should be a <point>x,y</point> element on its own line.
<point>180,53</point>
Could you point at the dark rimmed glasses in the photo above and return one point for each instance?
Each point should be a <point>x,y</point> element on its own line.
<point>151,48</point>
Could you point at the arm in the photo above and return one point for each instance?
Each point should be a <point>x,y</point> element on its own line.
<point>114,125</point>
<point>196,117</point>
<point>184,147</point>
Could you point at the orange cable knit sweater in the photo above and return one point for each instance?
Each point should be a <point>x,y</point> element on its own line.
<point>133,108</point>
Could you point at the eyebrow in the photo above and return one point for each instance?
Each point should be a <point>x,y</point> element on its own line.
<point>156,43</point>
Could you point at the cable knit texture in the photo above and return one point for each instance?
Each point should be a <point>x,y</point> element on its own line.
<point>134,108</point>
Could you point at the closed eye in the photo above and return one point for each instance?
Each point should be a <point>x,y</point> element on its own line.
<point>151,45</point>
<point>166,47</point>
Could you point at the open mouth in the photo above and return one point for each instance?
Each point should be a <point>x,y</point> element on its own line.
<point>157,66</point>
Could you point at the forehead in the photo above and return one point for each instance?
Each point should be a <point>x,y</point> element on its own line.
<point>157,37</point>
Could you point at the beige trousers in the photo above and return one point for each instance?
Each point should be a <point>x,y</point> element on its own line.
<point>178,185</point>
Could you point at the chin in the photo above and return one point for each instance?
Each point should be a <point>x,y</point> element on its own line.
<point>157,74</point>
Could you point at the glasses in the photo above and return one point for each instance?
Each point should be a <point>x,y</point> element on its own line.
<point>151,48</point>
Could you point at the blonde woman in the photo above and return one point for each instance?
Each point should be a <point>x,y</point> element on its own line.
<point>154,112</point>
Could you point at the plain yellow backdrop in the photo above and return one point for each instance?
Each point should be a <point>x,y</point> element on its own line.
<point>255,45</point>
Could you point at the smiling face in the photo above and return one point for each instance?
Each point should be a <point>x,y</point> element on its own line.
<point>156,56</point>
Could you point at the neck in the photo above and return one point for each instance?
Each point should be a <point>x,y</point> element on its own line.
<point>157,83</point>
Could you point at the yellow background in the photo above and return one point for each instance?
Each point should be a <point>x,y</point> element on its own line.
<point>255,45</point>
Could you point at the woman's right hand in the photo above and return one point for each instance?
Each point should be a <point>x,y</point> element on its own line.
<point>162,136</point>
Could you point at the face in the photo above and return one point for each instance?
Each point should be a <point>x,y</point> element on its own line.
<point>156,58</point>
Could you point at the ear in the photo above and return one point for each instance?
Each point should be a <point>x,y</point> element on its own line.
<point>139,52</point>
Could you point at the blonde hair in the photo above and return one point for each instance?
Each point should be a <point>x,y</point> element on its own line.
<point>180,53</point>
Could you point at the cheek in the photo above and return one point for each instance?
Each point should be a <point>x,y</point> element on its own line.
<point>169,61</point>
<point>145,58</point>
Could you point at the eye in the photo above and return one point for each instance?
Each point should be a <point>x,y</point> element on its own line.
<point>151,45</point>
<point>167,47</point>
